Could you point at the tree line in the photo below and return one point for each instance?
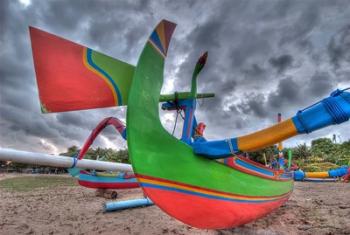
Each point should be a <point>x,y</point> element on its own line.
<point>103,154</point>
<point>323,154</point>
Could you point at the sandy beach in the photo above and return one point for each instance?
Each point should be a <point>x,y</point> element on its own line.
<point>314,208</point>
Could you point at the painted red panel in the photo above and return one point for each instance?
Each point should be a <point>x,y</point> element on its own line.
<point>64,82</point>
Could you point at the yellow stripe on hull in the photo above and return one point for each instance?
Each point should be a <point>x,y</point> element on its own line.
<point>267,137</point>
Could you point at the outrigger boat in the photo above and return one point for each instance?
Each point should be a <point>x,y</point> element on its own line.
<point>182,177</point>
<point>104,180</point>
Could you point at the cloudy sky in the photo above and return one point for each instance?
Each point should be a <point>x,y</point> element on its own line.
<point>265,57</point>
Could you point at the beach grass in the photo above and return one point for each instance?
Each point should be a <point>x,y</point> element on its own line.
<point>29,183</point>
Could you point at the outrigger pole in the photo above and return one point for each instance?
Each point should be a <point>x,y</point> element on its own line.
<point>60,161</point>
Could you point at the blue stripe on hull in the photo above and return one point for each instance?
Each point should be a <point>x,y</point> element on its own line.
<point>253,168</point>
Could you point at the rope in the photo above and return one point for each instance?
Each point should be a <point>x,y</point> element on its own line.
<point>178,111</point>
<point>177,115</point>
<point>183,118</point>
<point>75,161</point>
<point>332,107</point>
<point>335,110</point>
<point>230,146</point>
<point>303,124</point>
<point>346,97</point>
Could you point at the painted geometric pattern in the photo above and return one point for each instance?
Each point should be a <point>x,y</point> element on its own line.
<point>92,66</point>
<point>152,182</point>
<point>160,37</point>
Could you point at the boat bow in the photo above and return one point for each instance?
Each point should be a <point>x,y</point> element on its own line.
<point>182,184</point>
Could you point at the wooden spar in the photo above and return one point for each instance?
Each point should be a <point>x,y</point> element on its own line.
<point>59,161</point>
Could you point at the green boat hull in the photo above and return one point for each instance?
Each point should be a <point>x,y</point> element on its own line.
<point>172,175</point>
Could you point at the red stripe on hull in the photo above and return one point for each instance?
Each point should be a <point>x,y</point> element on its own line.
<point>206,213</point>
<point>89,184</point>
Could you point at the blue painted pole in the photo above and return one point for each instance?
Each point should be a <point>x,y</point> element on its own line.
<point>115,206</point>
<point>339,172</point>
<point>190,107</point>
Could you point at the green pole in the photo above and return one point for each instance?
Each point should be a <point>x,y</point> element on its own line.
<point>290,154</point>
<point>184,95</point>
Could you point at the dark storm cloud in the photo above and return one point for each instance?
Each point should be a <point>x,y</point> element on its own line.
<point>248,42</point>
<point>261,106</point>
<point>339,47</point>
<point>255,71</point>
<point>254,105</point>
<point>3,17</point>
<point>68,15</point>
<point>306,45</point>
<point>202,38</point>
<point>252,45</point>
<point>321,83</point>
<point>206,35</point>
<point>281,63</point>
<point>309,16</point>
<point>74,119</point>
<point>287,92</point>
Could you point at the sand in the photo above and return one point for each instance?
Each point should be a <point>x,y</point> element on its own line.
<point>314,208</point>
